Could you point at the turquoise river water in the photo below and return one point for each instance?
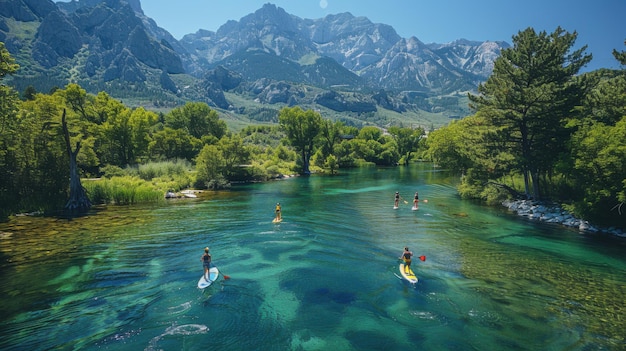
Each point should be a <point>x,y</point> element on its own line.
<point>124,278</point>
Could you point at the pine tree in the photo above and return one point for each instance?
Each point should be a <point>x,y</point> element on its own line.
<point>526,99</point>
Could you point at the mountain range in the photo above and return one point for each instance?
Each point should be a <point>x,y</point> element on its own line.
<point>343,63</point>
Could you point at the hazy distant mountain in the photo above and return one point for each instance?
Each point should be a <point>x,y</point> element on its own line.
<point>268,55</point>
<point>374,52</point>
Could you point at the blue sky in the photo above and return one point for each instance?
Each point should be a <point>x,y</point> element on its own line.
<point>601,24</point>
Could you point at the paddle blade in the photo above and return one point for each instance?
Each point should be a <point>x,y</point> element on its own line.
<point>425,201</point>
<point>422,258</point>
<point>406,202</point>
<point>226,277</point>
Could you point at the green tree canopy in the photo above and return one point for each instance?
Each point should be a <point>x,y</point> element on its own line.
<point>171,143</point>
<point>7,62</point>
<point>526,99</point>
<point>301,129</point>
<point>198,119</point>
<point>330,135</point>
<point>620,55</point>
<point>407,140</point>
<point>450,146</point>
<point>234,153</point>
<point>209,166</point>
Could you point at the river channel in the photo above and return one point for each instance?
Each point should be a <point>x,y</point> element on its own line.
<point>326,278</point>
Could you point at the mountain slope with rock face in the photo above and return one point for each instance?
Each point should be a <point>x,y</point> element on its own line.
<point>345,63</point>
<point>103,40</point>
<point>375,52</point>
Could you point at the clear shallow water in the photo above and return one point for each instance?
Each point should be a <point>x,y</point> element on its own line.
<point>124,278</point>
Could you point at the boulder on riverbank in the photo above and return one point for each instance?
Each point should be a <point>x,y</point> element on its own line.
<point>552,213</point>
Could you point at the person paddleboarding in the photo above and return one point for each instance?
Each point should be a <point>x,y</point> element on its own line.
<point>278,212</point>
<point>206,262</point>
<point>406,257</point>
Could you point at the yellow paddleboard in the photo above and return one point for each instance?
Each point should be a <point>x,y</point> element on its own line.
<point>277,220</point>
<point>408,274</point>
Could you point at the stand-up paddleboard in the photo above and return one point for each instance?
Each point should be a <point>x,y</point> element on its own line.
<point>413,208</point>
<point>277,220</point>
<point>408,274</point>
<point>213,274</point>
<point>395,207</point>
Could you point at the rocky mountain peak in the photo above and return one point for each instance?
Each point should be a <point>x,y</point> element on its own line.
<point>114,40</point>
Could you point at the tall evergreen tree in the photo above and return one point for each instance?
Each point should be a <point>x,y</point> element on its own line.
<point>598,150</point>
<point>529,94</point>
<point>620,55</point>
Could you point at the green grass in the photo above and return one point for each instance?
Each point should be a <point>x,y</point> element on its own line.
<point>144,183</point>
<point>122,191</point>
<point>149,171</point>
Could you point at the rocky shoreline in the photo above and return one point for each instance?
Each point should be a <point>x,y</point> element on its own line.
<point>552,213</point>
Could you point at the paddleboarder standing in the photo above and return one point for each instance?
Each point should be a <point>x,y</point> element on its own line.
<point>206,262</point>
<point>406,257</point>
<point>278,212</point>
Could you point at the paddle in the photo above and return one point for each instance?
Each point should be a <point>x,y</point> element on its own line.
<point>405,202</point>
<point>422,258</point>
<point>226,277</point>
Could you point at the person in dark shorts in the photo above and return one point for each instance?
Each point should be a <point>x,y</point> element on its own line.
<point>406,257</point>
<point>206,262</point>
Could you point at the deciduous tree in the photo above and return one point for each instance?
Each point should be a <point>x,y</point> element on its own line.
<point>198,119</point>
<point>301,128</point>
<point>234,153</point>
<point>407,140</point>
<point>210,166</point>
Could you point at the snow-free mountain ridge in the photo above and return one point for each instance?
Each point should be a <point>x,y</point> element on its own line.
<point>270,55</point>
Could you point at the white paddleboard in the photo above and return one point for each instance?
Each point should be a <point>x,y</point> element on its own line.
<point>213,274</point>
<point>395,207</point>
<point>413,208</point>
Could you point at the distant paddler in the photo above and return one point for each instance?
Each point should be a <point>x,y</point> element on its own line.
<point>278,211</point>
<point>397,199</point>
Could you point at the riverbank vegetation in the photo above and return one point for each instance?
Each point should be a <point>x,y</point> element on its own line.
<point>130,155</point>
<point>542,131</point>
<point>539,130</point>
